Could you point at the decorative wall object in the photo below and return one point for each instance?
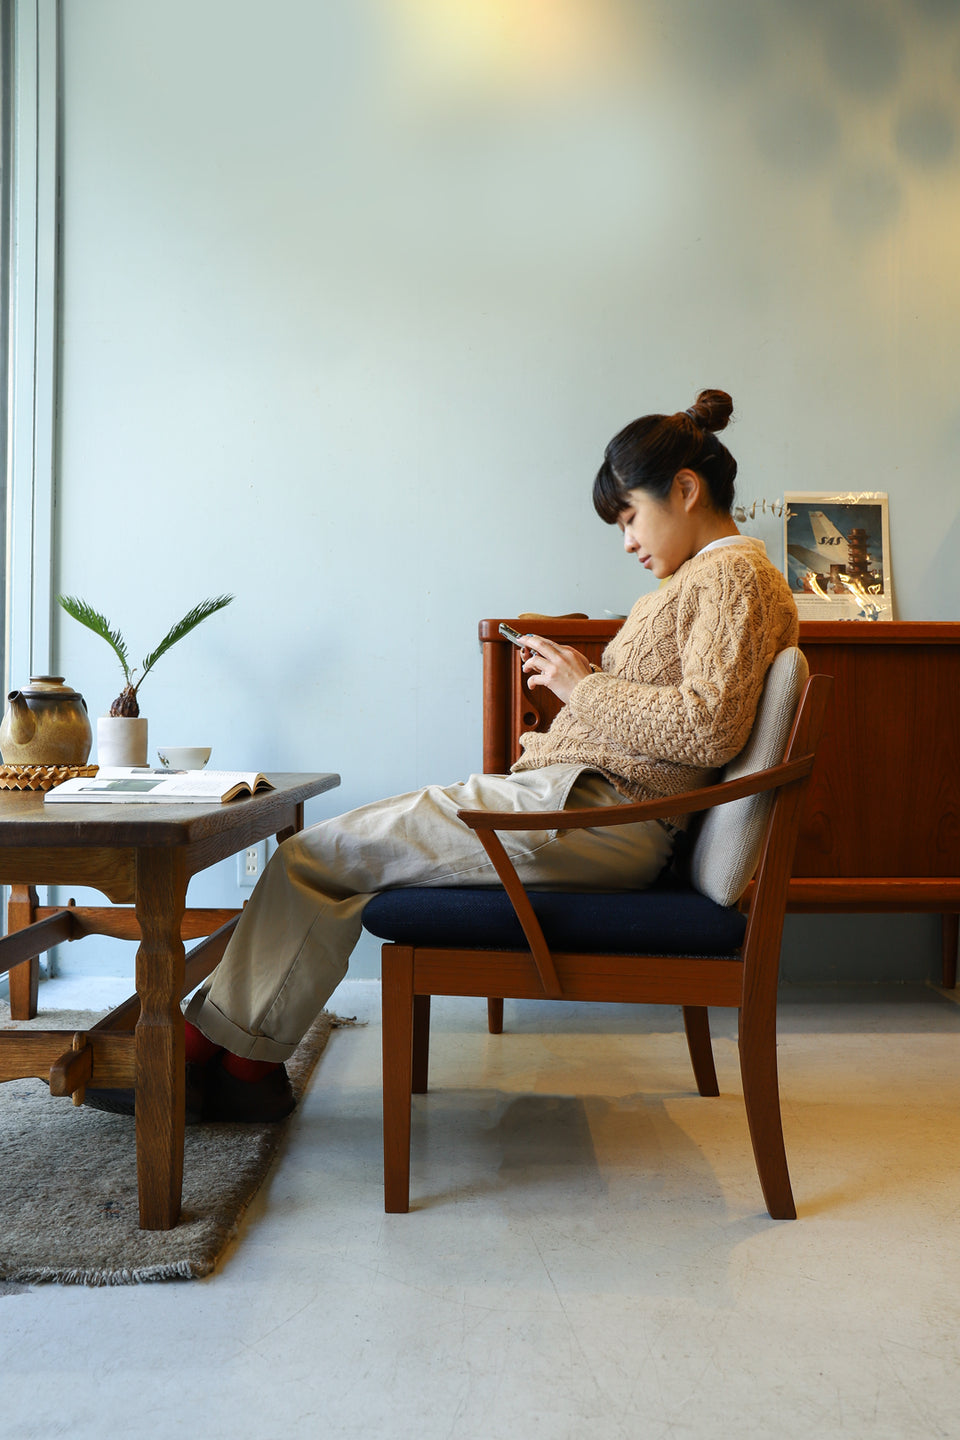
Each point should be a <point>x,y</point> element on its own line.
<point>762,519</point>
<point>836,554</point>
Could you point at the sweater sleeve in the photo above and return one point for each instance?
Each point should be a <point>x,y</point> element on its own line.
<point>724,648</point>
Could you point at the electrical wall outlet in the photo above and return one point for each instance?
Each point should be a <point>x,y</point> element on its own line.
<point>251,863</point>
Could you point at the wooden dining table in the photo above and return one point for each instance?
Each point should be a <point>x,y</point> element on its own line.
<point>141,857</point>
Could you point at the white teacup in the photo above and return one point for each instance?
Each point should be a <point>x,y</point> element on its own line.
<point>184,757</point>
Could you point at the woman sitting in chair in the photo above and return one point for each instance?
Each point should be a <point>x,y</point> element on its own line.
<point>674,700</point>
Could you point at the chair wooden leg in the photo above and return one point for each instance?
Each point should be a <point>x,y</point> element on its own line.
<point>950,929</point>
<point>397,1001</point>
<point>761,1095</point>
<point>421,1043</point>
<point>495,1016</point>
<point>696,1022</point>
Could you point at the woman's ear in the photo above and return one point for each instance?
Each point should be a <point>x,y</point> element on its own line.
<point>691,489</point>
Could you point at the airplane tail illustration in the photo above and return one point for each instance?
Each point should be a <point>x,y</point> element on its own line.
<point>831,545</point>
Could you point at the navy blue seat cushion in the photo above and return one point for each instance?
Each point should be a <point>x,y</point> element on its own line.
<point>668,919</point>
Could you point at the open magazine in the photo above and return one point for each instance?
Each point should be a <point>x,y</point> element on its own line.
<point>114,785</point>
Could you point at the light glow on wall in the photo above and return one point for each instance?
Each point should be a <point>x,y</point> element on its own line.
<point>491,49</point>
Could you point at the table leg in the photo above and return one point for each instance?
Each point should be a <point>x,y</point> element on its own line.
<point>293,829</point>
<point>24,978</point>
<point>160,903</point>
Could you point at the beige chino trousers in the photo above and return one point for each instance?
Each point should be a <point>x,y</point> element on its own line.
<point>294,938</point>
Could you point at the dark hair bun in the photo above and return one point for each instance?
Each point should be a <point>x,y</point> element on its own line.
<point>647,453</point>
<point>711,409</point>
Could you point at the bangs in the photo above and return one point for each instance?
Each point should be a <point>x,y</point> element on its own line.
<point>610,495</point>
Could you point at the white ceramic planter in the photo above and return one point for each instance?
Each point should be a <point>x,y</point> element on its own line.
<point>121,741</point>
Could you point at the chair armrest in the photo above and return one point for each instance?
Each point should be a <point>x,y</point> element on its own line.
<point>488,822</point>
<point>687,802</point>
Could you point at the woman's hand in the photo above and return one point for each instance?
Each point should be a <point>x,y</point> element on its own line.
<point>557,667</point>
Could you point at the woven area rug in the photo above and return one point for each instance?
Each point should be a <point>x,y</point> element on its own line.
<point>68,1182</point>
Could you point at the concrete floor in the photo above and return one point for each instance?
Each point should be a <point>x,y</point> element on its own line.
<point>588,1256</point>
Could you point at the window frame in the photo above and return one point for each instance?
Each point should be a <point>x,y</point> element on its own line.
<point>32,343</point>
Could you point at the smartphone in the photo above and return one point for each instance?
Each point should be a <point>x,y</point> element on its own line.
<point>515,638</point>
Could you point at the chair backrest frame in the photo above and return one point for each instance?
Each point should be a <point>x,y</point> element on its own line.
<point>761,941</point>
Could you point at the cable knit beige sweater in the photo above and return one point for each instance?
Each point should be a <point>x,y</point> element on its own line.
<point>681,679</point>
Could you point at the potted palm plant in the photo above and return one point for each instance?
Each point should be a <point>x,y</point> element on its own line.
<point>122,734</point>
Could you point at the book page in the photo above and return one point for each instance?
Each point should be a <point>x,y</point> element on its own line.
<point>118,784</point>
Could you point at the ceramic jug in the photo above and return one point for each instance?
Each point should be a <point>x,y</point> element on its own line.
<point>46,724</point>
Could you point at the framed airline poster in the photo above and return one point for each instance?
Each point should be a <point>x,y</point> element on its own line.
<point>836,554</point>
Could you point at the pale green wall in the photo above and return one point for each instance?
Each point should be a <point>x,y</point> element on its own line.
<point>355,291</point>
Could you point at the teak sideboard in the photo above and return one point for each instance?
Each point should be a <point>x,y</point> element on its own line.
<point>881,828</point>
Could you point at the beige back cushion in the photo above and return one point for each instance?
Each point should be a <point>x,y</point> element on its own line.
<point>727,848</point>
